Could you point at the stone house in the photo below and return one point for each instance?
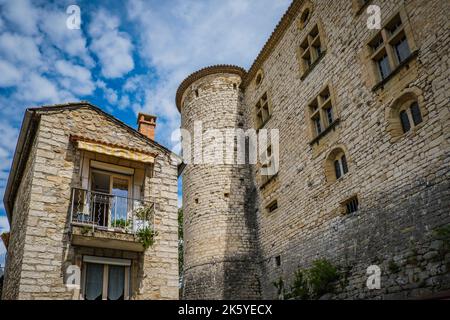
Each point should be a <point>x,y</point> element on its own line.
<point>362,173</point>
<point>92,205</point>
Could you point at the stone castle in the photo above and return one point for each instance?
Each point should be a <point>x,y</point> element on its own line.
<point>363,178</point>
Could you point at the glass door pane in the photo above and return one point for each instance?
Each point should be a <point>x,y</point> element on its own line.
<point>116,282</point>
<point>120,205</point>
<point>94,281</point>
<point>100,199</point>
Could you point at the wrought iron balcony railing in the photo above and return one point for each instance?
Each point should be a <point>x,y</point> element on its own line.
<point>110,212</point>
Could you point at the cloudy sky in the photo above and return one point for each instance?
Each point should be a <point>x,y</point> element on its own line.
<point>127,57</point>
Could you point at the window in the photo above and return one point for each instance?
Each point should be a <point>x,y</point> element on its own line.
<point>263,111</point>
<point>350,205</point>
<point>340,166</point>
<point>336,165</point>
<point>322,113</point>
<point>105,279</point>
<point>278,261</point>
<point>390,48</point>
<point>410,117</point>
<point>406,113</point>
<point>272,206</point>
<point>110,199</point>
<point>259,78</point>
<point>268,167</point>
<point>311,50</point>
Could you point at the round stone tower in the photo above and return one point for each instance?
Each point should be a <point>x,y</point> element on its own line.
<point>220,247</point>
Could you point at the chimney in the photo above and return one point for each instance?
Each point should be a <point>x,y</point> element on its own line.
<point>146,125</point>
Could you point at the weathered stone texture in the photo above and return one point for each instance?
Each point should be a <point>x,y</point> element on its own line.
<point>219,232</point>
<point>402,184</point>
<point>44,232</point>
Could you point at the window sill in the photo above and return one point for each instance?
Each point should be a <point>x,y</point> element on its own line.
<point>265,184</point>
<point>325,132</point>
<point>313,65</point>
<point>380,85</point>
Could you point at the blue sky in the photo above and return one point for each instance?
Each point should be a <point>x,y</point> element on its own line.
<point>128,57</point>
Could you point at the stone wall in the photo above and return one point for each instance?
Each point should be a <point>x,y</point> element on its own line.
<point>219,230</point>
<point>58,166</point>
<point>14,266</point>
<point>403,186</point>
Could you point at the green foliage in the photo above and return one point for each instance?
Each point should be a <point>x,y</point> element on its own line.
<point>180,242</point>
<point>443,234</point>
<point>311,283</point>
<point>147,236</point>
<point>321,278</point>
<point>393,267</point>
<point>144,213</point>
<point>279,285</point>
<point>300,286</point>
<point>120,223</point>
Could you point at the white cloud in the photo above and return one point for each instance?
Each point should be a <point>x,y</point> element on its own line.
<point>179,37</point>
<point>71,42</point>
<point>4,227</point>
<point>109,94</point>
<point>75,78</point>
<point>4,224</point>
<point>21,14</point>
<point>37,89</point>
<point>21,50</point>
<point>112,47</point>
<point>10,75</point>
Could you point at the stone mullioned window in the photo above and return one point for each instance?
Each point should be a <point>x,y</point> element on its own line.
<point>391,48</point>
<point>311,50</point>
<point>322,113</point>
<point>263,111</point>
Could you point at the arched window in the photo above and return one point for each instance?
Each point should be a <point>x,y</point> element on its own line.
<point>336,164</point>
<point>340,166</point>
<point>405,113</point>
<point>259,78</point>
<point>305,15</point>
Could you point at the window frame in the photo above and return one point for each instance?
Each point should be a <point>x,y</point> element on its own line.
<point>403,102</point>
<point>344,205</point>
<point>317,110</point>
<point>106,262</point>
<point>308,47</point>
<point>336,155</point>
<point>259,108</point>
<point>384,42</point>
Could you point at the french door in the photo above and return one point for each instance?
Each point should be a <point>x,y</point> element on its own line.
<point>110,201</point>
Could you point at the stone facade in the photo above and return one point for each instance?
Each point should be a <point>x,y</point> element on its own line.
<point>41,249</point>
<point>219,230</point>
<point>401,180</point>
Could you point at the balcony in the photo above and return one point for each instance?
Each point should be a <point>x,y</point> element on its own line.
<point>108,221</point>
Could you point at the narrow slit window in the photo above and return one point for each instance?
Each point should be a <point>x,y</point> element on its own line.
<point>406,126</point>
<point>416,114</point>
<point>273,206</point>
<point>337,169</point>
<point>352,205</point>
